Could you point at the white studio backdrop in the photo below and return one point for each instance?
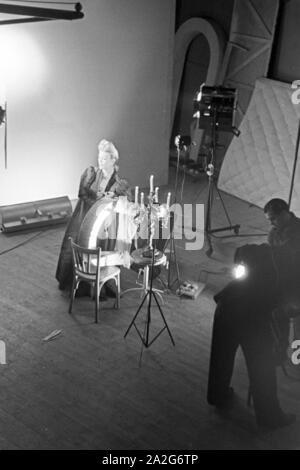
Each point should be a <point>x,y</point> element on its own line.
<point>71,83</point>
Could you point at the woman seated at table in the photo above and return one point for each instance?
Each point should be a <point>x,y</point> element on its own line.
<point>95,183</point>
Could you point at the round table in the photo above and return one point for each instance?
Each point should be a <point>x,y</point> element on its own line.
<point>137,257</point>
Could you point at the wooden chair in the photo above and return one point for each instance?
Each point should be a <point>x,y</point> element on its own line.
<point>87,267</point>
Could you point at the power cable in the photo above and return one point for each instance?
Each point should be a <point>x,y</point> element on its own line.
<point>24,242</point>
<point>242,235</point>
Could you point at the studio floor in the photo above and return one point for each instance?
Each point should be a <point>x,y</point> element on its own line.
<point>89,388</point>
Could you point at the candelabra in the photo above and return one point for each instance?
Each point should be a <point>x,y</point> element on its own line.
<point>149,257</point>
<point>149,216</point>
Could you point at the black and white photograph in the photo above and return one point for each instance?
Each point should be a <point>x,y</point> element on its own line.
<point>149,228</point>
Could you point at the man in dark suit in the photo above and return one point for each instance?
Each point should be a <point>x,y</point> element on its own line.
<point>285,226</point>
<point>284,238</point>
<point>243,317</point>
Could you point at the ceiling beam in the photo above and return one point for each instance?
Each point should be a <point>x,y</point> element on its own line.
<point>41,13</point>
<point>24,20</point>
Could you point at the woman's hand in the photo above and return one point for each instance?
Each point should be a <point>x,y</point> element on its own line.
<point>101,194</point>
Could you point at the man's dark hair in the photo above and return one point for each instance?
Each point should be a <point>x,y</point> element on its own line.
<point>276,206</point>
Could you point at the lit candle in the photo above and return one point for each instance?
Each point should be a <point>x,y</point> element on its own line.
<point>168,200</point>
<point>142,199</point>
<point>151,183</point>
<point>156,194</point>
<point>136,195</point>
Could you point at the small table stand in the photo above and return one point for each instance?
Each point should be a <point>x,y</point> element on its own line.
<point>145,263</point>
<point>150,293</point>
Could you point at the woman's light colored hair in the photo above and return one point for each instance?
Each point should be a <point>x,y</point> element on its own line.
<point>106,146</point>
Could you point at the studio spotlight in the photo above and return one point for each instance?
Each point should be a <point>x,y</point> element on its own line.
<point>240,271</point>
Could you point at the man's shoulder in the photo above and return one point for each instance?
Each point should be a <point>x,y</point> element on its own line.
<point>291,236</point>
<point>296,219</point>
<point>295,223</point>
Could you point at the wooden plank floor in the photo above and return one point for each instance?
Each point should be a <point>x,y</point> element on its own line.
<point>92,389</point>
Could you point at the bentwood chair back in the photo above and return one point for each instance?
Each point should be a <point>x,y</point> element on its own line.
<point>87,267</point>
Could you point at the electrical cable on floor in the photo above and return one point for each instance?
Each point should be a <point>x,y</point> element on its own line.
<point>223,271</point>
<point>24,242</point>
<point>241,235</point>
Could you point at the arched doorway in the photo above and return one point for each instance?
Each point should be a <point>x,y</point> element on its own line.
<point>199,50</point>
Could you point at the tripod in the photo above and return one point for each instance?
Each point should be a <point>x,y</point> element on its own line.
<point>211,186</point>
<point>172,254</point>
<point>149,296</point>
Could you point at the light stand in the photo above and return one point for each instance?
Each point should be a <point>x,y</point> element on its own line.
<point>172,256</point>
<point>215,108</point>
<point>210,195</point>
<point>294,166</point>
<point>180,143</point>
<point>151,257</point>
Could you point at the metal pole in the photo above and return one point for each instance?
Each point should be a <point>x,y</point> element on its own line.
<point>294,165</point>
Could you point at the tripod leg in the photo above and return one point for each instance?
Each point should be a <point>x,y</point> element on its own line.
<point>223,204</point>
<point>208,209</point>
<point>169,270</point>
<point>208,216</point>
<point>235,227</point>
<point>163,317</point>
<point>173,255</point>
<point>148,320</point>
<point>146,279</point>
<point>135,316</point>
<point>175,261</point>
